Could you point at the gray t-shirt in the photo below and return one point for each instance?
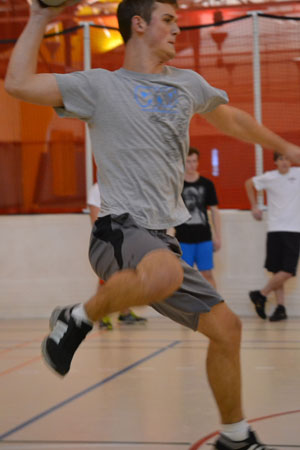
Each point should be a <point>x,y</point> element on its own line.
<point>139,127</point>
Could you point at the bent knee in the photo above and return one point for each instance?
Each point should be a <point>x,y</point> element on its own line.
<point>235,325</point>
<point>174,270</point>
<point>170,270</point>
<point>232,331</point>
<point>161,273</point>
<point>223,327</point>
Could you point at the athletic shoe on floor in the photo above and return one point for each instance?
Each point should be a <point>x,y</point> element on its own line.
<point>251,443</point>
<point>259,302</point>
<point>106,323</point>
<point>131,318</point>
<point>67,334</point>
<point>278,314</point>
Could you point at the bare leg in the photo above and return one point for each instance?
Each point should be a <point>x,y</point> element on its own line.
<point>155,278</point>
<point>279,294</point>
<point>208,275</point>
<point>223,328</point>
<point>125,311</point>
<point>276,282</point>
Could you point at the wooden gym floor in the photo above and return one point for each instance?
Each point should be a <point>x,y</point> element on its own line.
<point>143,387</point>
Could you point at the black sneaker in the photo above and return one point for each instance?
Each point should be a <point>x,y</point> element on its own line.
<point>259,301</point>
<point>131,318</point>
<point>67,334</point>
<point>278,314</point>
<point>251,443</point>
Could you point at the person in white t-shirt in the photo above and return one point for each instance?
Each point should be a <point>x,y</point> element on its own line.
<point>126,316</point>
<point>283,238</point>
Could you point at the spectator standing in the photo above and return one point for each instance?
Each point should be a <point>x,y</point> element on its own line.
<point>283,238</point>
<point>195,236</point>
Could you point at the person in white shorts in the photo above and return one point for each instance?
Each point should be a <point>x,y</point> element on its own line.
<point>283,238</point>
<point>139,119</point>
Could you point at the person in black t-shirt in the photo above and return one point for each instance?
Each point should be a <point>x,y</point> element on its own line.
<point>195,236</point>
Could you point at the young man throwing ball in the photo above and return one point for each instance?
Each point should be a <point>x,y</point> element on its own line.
<point>139,119</point>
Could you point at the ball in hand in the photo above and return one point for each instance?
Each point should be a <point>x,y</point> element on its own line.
<point>55,3</point>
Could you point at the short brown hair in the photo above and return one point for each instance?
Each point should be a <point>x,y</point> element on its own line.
<point>194,151</point>
<point>127,9</point>
<point>276,155</point>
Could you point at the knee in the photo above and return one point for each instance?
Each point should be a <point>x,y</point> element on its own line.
<point>235,327</point>
<point>174,270</point>
<point>169,273</point>
<point>160,273</point>
<point>230,332</point>
<point>233,332</point>
<point>283,275</point>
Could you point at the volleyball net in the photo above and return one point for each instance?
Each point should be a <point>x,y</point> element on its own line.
<point>255,58</point>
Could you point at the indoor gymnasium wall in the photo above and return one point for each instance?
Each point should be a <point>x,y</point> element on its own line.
<point>44,263</point>
<point>42,157</point>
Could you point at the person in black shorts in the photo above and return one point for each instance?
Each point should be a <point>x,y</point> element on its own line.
<point>139,117</point>
<point>195,236</point>
<point>283,238</point>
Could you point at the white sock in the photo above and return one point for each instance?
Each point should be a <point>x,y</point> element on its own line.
<point>79,312</point>
<point>236,431</point>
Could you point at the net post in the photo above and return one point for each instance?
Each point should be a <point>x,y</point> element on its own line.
<point>89,180</point>
<point>259,163</point>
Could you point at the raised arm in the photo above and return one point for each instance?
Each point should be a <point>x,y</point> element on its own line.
<point>21,80</point>
<point>243,126</point>
<point>251,193</point>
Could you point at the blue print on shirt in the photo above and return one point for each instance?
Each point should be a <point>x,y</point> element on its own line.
<point>162,99</point>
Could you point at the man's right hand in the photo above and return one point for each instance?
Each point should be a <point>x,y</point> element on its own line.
<point>48,13</point>
<point>257,213</point>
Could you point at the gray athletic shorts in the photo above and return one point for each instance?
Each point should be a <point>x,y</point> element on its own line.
<point>117,243</point>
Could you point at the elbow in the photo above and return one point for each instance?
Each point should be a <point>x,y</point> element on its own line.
<point>14,87</point>
<point>11,88</point>
<point>8,86</point>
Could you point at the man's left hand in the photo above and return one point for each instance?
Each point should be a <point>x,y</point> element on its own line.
<point>216,244</point>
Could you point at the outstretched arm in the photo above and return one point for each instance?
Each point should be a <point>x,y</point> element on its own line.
<point>241,125</point>
<point>251,193</point>
<point>21,80</point>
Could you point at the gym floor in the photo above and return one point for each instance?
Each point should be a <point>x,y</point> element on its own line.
<point>143,387</point>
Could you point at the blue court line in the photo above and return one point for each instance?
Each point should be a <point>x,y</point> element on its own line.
<point>86,391</point>
<point>53,442</point>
